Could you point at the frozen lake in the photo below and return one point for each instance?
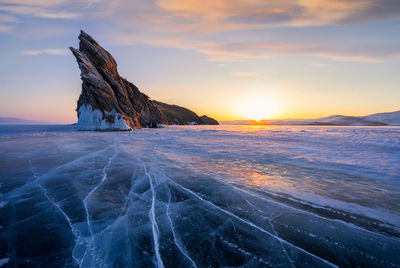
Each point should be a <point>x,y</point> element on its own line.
<point>200,196</point>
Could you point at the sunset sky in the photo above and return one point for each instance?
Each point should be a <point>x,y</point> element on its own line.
<point>285,59</point>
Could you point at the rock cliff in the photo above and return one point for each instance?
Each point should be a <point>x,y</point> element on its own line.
<point>208,120</point>
<point>177,115</point>
<point>110,102</point>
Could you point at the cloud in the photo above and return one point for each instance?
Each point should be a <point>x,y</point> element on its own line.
<point>195,18</point>
<point>47,9</point>
<point>254,50</point>
<point>8,18</point>
<point>216,29</point>
<point>13,12</point>
<point>247,74</point>
<point>4,28</point>
<point>42,3</point>
<point>290,12</point>
<point>48,51</point>
<point>7,23</point>
<point>39,12</point>
<point>177,16</point>
<point>238,51</point>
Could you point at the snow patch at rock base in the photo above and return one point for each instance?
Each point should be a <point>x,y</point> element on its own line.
<point>93,119</point>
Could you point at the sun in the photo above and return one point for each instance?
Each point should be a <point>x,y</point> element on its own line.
<point>258,107</point>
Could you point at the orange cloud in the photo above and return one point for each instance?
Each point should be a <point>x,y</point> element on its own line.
<point>238,51</point>
<point>188,24</point>
<point>250,50</point>
<point>290,12</point>
<point>222,8</point>
<point>215,28</point>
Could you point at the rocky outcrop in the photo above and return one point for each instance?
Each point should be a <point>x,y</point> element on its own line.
<point>177,115</point>
<point>110,102</point>
<point>208,120</point>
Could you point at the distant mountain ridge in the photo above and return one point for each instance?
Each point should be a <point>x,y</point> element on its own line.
<point>378,119</point>
<point>392,118</point>
<point>18,121</point>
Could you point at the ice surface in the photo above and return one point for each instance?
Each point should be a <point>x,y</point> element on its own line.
<point>200,196</point>
<point>3,262</point>
<point>92,119</point>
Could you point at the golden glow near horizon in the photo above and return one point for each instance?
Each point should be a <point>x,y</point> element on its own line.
<point>258,106</point>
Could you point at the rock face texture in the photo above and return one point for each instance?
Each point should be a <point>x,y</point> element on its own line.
<point>176,115</point>
<point>110,102</point>
<point>208,120</point>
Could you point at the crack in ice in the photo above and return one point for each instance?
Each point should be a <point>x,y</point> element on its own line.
<point>29,183</point>
<point>269,199</point>
<point>103,179</point>
<point>154,225</point>
<point>73,230</point>
<point>274,232</point>
<point>252,224</point>
<point>124,207</point>
<point>176,239</point>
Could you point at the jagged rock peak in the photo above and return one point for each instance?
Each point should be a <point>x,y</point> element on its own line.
<point>96,54</point>
<point>110,102</point>
<point>107,101</point>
